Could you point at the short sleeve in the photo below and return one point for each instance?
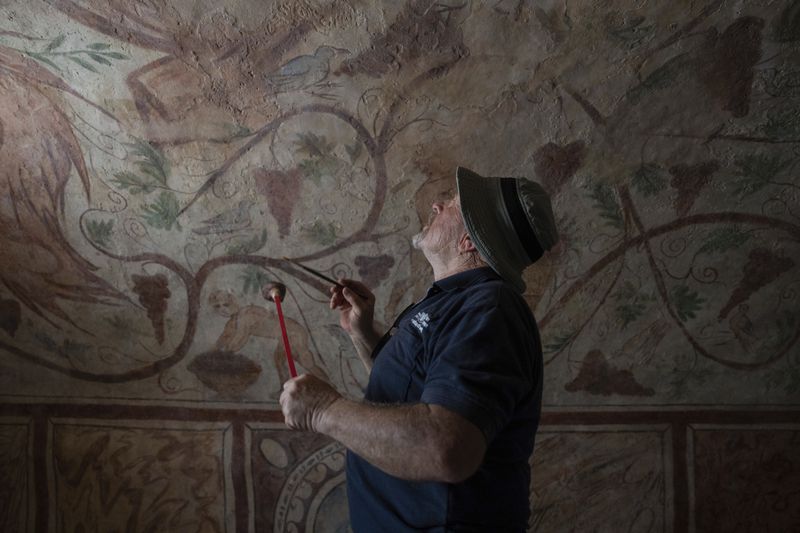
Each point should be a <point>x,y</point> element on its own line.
<point>481,368</point>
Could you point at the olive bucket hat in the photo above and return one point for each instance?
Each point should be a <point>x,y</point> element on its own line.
<point>510,221</point>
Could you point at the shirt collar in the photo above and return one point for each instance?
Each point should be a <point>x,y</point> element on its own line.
<point>463,279</point>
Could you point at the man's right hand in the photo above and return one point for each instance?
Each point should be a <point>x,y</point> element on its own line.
<point>356,314</point>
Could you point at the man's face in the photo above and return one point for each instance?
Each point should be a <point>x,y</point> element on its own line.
<point>444,229</point>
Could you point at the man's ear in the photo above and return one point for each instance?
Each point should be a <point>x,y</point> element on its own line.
<point>465,244</point>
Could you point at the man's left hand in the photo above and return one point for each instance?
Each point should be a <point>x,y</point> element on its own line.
<point>304,400</point>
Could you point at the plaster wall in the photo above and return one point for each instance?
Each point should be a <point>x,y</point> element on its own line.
<point>158,159</point>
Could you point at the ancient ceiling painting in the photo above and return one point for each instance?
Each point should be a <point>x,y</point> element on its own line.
<point>160,160</point>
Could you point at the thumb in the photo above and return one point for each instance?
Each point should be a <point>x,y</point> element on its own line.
<point>352,298</point>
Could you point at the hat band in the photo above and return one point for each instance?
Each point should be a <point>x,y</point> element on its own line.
<point>508,188</point>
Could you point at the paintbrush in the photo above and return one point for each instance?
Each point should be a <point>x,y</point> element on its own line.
<point>323,276</point>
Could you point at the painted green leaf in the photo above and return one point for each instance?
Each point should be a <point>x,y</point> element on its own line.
<point>784,330</point>
<point>55,43</point>
<point>783,123</point>
<point>320,167</point>
<point>649,180</point>
<point>787,24</point>
<point>46,340</point>
<point>311,170</point>
<point>329,165</point>
<point>781,81</point>
<point>236,130</point>
<point>687,302</point>
<point>354,150</point>
<point>632,33</point>
<point>660,78</point>
<point>723,239</point>
<point>764,166</point>
<point>43,59</point>
<point>133,183</point>
<point>321,233</point>
<point>606,202</point>
<point>253,279</point>
<point>313,145</point>
<point>626,291</point>
<point>631,303</point>
<point>744,185</point>
<point>100,59</point>
<point>116,55</point>
<point>152,161</point>
<point>81,62</point>
<point>72,348</point>
<point>629,312</point>
<point>163,214</point>
<point>755,171</point>
<point>99,46</point>
<point>100,231</point>
<point>320,160</point>
<point>558,343</point>
<point>250,246</point>
<point>67,347</point>
<point>316,169</point>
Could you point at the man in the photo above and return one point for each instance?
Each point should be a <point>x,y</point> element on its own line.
<point>442,440</point>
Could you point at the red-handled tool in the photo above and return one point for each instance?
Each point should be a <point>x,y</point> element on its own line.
<point>276,292</point>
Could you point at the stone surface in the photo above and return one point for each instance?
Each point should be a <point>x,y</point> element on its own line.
<point>746,479</point>
<point>15,511</point>
<point>147,477</point>
<point>580,474</point>
<point>159,159</point>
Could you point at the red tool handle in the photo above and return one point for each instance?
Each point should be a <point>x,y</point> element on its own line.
<point>289,358</point>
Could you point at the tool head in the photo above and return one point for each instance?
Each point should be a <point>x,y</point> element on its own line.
<point>270,291</point>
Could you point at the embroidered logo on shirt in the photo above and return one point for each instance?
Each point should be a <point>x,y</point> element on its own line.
<point>421,320</point>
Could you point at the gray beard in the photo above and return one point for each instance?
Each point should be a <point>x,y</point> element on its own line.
<point>417,239</point>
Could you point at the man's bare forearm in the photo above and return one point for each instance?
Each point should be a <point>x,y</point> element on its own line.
<point>364,345</point>
<point>415,442</point>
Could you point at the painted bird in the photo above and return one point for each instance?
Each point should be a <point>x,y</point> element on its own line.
<point>234,219</point>
<point>303,71</point>
<point>39,151</point>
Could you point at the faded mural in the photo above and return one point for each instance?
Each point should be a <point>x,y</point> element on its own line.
<point>159,159</point>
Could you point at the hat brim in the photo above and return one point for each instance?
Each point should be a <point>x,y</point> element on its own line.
<point>481,202</point>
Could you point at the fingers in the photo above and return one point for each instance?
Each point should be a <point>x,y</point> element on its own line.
<point>288,403</point>
<point>357,294</point>
<point>352,298</point>
<point>302,398</point>
<point>351,293</point>
<point>337,299</point>
<point>285,402</point>
<point>358,287</point>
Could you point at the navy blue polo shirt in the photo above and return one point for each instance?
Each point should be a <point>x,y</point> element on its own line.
<point>471,346</point>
